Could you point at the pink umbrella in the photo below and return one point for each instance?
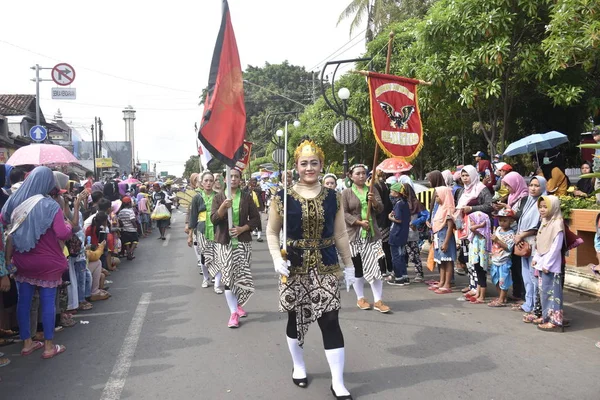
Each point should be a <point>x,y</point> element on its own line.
<point>42,154</point>
<point>131,181</point>
<point>395,165</point>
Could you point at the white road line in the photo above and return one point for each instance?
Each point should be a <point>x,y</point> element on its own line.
<point>166,242</point>
<point>587,310</point>
<point>99,314</point>
<point>118,376</point>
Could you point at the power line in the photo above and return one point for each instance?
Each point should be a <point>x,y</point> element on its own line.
<point>275,93</point>
<point>334,53</point>
<point>100,72</point>
<point>137,108</point>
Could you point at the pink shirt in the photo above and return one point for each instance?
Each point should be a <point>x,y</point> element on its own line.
<point>45,263</point>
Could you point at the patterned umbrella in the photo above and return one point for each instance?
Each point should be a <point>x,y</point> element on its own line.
<point>42,154</point>
<point>395,165</point>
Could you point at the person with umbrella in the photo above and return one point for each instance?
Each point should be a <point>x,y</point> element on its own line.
<point>553,167</point>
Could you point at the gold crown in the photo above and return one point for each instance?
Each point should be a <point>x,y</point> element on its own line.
<point>308,148</point>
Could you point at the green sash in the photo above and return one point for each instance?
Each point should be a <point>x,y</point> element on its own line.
<point>236,215</point>
<point>364,207</point>
<point>209,231</point>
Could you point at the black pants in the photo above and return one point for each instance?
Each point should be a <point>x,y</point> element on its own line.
<point>385,263</point>
<point>481,275</point>
<point>330,329</point>
<point>358,266</point>
<point>518,288</point>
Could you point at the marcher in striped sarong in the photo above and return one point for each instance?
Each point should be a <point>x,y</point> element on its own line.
<point>365,237</point>
<point>309,289</point>
<point>233,247</point>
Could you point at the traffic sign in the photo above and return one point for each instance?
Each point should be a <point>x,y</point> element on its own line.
<point>279,156</point>
<point>345,132</point>
<point>38,133</point>
<point>64,93</point>
<point>63,74</point>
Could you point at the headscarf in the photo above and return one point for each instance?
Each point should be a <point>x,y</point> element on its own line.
<point>551,225</point>
<point>123,187</point>
<point>97,187</point>
<point>586,185</point>
<point>414,205</point>
<point>111,191</point>
<point>330,176</point>
<point>517,185</point>
<point>62,180</point>
<point>435,179</point>
<point>477,218</point>
<point>448,177</point>
<point>472,190</point>
<point>445,209</point>
<point>405,179</point>
<point>40,218</point>
<point>194,180</point>
<point>530,216</point>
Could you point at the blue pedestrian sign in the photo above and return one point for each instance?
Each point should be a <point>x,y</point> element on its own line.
<point>38,133</point>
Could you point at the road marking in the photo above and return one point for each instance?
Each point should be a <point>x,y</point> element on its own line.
<point>587,310</point>
<point>116,382</point>
<point>166,242</point>
<point>100,314</point>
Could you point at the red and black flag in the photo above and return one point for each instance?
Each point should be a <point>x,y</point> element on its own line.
<point>223,125</point>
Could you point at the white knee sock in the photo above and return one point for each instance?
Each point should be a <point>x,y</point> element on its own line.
<point>218,279</point>
<point>297,357</point>
<point>377,288</point>
<point>205,273</point>
<point>259,234</point>
<point>231,301</point>
<point>359,288</point>
<point>335,358</point>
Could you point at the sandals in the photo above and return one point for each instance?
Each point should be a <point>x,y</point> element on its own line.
<point>550,327</point>
<point>442,291</point>
<point>533,319</point>
<point>35,346</point>
<point>496,304</point>
<point>475,300</point>
<point>58,348</point>
<point>85,306</point>
<point>4,362</point>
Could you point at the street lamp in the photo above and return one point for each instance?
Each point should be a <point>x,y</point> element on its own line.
<point>344,94</point>
<point>279,133</point>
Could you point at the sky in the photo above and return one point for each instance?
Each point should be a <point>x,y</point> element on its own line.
<point>157,58</point>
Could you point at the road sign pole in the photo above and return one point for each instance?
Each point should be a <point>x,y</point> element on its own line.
<point>37,94</point>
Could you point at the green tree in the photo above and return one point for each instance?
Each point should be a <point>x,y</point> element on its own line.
<point>192,165</point>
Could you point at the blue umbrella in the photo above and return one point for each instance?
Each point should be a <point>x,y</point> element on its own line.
<point>536,143</point>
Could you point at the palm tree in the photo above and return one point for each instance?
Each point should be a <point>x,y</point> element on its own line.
<point>380,13</point>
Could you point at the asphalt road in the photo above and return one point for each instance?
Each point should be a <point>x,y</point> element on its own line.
<point>161,336</point>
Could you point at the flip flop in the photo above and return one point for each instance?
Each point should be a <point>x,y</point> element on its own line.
<point>496,304</point>
<point>58,348</point>
<point>476,301</point>
<point>4,361</point>
<point>442,291</point>
<point>36,346</point>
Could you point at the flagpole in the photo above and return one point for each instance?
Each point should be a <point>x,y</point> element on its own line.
<point>388,61</point>
<point>285,188</point>
<point>228,193</point>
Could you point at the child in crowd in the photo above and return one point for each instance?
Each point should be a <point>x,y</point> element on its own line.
<point>502,248</point>
<point>548,262</point>
<point>400,217</point>
<point>443,238</point>
<point>479,252</point>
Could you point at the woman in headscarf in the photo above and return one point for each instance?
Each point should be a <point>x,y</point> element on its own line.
<point>527,227</point>
<point>448,178</point>
<point>553,168</point>
<point>472,197</point>
<point>547,261</point>
<point>585,186</point>
<point>365,237</point>
<point>315,230</point>
<point>37,225</point>
<point>233,247</point>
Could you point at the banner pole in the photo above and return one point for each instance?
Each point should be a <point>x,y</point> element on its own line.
<point>228,193</point>
<point>376,155</point>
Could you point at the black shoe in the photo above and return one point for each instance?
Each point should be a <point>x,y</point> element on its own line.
<point>344,397</point>
<point>259,240</point>
<point>303,383</point>
<point>396,282</point>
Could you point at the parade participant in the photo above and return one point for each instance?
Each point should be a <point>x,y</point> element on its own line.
<point>547,260</point>
<point>330,181</point>
<point>365,237</point>
<point>400,218</point>
<point>259,200</point>
<point>233,247</point>
<point>315,228</point>
<point>202,231</point>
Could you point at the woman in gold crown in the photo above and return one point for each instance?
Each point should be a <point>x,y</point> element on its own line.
<point>365,237</point>
<point>310,291</point>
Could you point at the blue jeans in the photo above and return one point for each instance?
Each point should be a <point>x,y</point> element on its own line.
<point>84,280</point>
<point>530,282</point>
<point>399,261</point>
<point>47,307</point>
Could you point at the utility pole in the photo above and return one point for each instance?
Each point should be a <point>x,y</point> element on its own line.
<point>94,150</point>
<point>100,137</point>
<point>37,81</point>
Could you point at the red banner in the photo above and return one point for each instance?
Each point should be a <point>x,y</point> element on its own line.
<point>395,115</point>
<point>223,126</point>
<point>242,163</point>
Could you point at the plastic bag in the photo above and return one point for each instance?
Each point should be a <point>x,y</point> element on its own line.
<point>430,260</point>
<point>161,212</point>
